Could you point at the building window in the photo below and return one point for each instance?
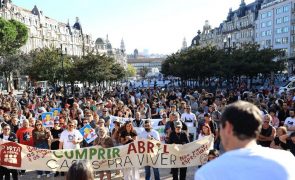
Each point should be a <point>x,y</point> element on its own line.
<point>268,23</point>
<point>269,14</point>
<point>263,24</point>
<point>285,40</point>
<point>278,41</point>
<point>286,19</point>
<point>263,33</point>
<point>263,15</point>
<point>279,10</point>
<point>279,20</point>
<point>278,30</point>
<point>268,42</point>
<point>285,29</point>
<point>286,8</point>
<point>268,32</point>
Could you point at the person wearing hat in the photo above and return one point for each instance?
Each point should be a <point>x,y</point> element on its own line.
<point>178,136</point>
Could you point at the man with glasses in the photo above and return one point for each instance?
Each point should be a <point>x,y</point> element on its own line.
<point>8,136</point>
<point>190,120</point>
<point>150,134</point>
<point>106,117</point>
<point>70,138</point>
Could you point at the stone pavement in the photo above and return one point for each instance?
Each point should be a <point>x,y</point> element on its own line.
<point>164,174</point>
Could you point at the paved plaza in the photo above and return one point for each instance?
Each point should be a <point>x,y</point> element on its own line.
<point>164,173</point>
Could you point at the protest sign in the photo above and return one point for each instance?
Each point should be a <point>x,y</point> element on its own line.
<point>55,111</point>
<point>88,133</point>
<point>47,119</point>
<point>137,154</point>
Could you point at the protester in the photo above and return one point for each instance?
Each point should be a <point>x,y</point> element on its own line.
<point>289,141</point>
<point>178,136</point>
<point>243,156</point>
<point>150,134</point>
<point>127,136</point>
<point>276,143</point>
<point>80,170</point>
<point>42,138</point>
<point>106,142</point>
<point>267,133</point>
<point>70,138</point>
<point>8,136</point>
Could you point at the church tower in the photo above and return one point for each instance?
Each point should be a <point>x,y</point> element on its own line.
<point>122,47</point>
<point>184,44</point>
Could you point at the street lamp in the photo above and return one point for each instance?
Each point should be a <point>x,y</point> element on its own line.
<point>63,74</point>
<point>227,39</point>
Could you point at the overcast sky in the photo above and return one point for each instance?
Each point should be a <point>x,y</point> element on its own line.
<point>156,25</point>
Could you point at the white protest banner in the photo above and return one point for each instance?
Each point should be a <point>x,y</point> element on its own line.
<point>137,154</point>
<point>155,122</point>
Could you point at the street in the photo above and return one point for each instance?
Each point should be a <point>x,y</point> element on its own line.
<point>164,174</point>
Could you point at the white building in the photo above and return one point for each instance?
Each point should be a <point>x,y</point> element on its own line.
<point>275,27</point>
<point>47,32</point>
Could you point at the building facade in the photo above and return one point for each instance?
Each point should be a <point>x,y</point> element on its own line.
<point>153,64</point>
<point>275,28</point>
<point>47,32</point>
<point>103,46</point>
<point>236,30</point>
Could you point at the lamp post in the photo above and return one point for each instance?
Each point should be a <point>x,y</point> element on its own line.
<point>227,39</point>
<point>63,75</point>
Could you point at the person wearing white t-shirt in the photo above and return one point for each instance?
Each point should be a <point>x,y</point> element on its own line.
<point>150,134</point>
<point>290,122</point>
<point>188,117</point>
<point>70,138</point>
<point>244,159</point>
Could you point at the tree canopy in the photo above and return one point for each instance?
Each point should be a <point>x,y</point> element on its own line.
<point>207,62</point>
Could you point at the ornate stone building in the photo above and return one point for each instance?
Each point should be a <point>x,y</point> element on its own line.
<point>103,46</point>
<point>47,32</point>
<point>238,28</point>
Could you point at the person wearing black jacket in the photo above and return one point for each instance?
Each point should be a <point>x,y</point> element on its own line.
<point>8,136</point>
<point>178,136</point>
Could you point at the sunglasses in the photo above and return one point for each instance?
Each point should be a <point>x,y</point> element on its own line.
<point>56,123</point>
<point>177,127</point>
<point>38,124</point>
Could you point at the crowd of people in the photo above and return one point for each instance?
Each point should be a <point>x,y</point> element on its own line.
<point>186,114</point>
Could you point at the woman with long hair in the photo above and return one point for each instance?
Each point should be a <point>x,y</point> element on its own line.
<point>128,136</point>
<point>41,137</point>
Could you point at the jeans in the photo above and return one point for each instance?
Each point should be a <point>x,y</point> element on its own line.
<point>148,173</point>
<point>182,174</point>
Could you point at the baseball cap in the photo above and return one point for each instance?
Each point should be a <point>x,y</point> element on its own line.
<point>178,124</point>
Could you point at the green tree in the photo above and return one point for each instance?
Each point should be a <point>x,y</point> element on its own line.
<point>131,71</point>
<point>13,35</point>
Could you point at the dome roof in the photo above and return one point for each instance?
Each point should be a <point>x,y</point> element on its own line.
<point>99,41</point>
<point>77,26</point>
